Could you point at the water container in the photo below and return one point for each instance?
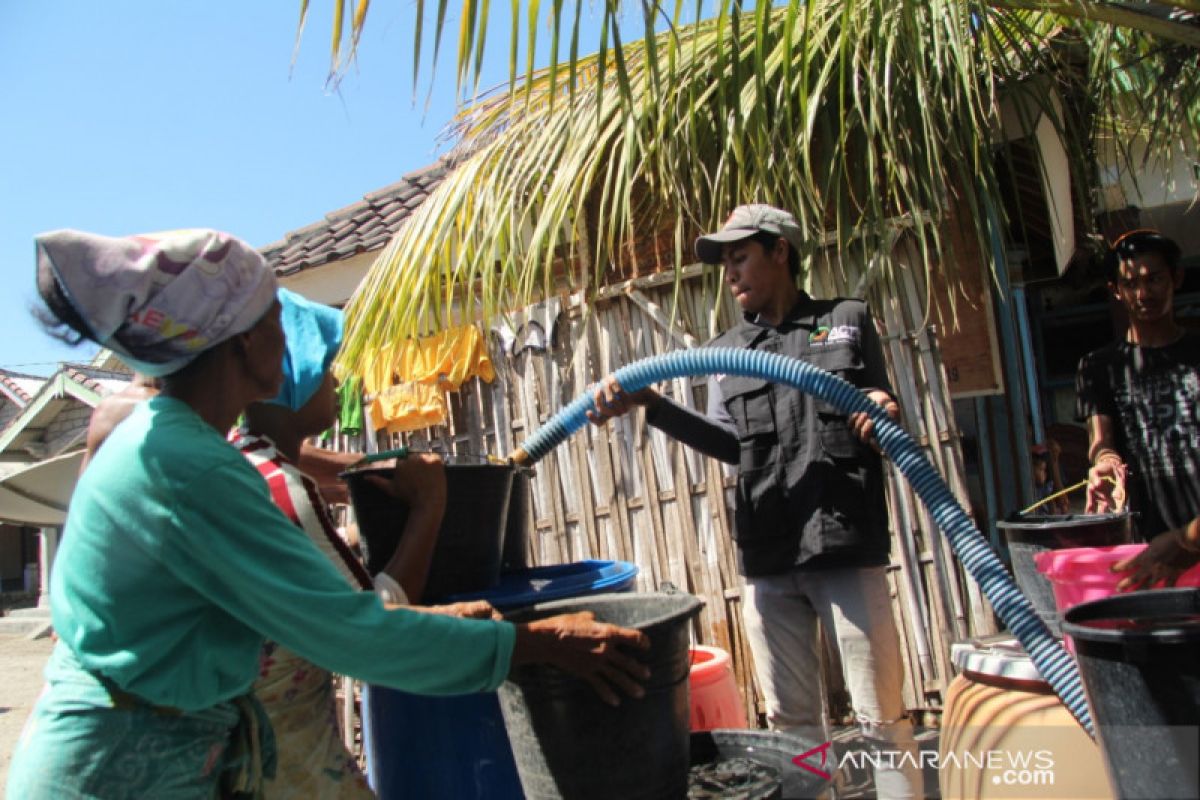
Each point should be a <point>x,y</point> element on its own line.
<point>1139,655</point>
<point>714,697</point>
<point>456,748</point>
<point>470,541</point>
<point>527,587</point>
<point>772,749</point>
<point>1030,534</point>
<point>1082,574</point>
<point>568,743</point>
<point>1005,734</point>
<point>515,555</point>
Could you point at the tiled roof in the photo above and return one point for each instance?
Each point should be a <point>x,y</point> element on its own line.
<point>103,381</point>
<point>362,227</point>
<point>21,386</point>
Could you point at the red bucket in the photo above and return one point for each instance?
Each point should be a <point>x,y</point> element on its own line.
<point>714,696</point>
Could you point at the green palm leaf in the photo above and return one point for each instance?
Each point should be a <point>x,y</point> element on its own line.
<point>858,115</point>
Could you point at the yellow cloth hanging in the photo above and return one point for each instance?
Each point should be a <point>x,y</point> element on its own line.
<point>449,358</point>
<point>379,374</point>
<point>408,407</point>
<point>405,377</point>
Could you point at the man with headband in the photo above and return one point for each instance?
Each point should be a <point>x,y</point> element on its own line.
<point>175,563</point>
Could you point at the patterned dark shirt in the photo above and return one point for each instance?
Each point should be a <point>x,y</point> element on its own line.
<point>1152,396</point>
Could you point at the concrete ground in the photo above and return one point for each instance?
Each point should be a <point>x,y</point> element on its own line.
<point>21,663</point>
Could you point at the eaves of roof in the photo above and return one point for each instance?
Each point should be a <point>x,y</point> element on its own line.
<point>101,381</point>
<point>17,384</point>
<point>68,382</point>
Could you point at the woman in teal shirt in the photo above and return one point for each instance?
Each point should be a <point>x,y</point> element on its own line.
<point>175,563</point>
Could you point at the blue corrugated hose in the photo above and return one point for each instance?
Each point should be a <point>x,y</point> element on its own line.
<point>982,563</point>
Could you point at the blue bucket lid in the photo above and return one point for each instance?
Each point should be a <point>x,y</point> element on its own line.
<point>526,587</point>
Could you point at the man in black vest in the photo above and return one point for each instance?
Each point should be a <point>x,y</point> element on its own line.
<point>811,517</point>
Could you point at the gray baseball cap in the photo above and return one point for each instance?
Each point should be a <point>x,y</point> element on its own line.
<point>744,222</point>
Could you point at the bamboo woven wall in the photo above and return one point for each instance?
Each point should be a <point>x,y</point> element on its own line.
<point>628,492</point>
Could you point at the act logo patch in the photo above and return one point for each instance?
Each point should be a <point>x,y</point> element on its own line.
<point>838,334</point>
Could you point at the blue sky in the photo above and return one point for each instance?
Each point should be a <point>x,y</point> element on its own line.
<point>127,116</point>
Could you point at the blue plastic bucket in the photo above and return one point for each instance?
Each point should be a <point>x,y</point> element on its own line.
<point>457,747</point>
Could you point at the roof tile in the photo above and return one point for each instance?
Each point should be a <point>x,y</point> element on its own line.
<point>364,225</point>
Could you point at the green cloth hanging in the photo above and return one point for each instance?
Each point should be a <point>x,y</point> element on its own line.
<point>350,410</point>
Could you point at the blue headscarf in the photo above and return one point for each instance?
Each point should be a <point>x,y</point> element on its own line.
<point>314,334</point>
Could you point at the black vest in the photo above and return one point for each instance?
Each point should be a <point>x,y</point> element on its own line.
<point>809,492</point>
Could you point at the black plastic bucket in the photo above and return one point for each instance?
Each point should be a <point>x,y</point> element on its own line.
<point>515,555</point>
<point>1139,655</point>
<point>467,555</point>
<point>568,743</point>
<point>1030,534</point>
<point>730,750</point>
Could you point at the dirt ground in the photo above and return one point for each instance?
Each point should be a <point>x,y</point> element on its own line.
<point>21,662</point>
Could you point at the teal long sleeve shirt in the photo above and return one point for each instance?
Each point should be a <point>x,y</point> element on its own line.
<point>175,564</point>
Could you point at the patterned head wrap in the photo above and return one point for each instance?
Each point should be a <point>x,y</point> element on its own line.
<point>314,334</point>
<point>158,300</point>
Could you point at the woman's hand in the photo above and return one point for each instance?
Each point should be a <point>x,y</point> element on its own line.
<point>468,609</point>
<point>324,466</point>
<point>1166,557</point>
<point>593,651</point>
<point>1106,485</point>
<point>613,401</point>
<point>418,481</point>
<point>861,424</point>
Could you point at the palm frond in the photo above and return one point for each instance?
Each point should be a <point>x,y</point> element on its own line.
<point>850,132</point>
<point>858,115</point>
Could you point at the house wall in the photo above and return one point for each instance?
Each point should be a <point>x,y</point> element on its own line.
<point>8,412</point>
<point>331,284</point>
<point>14,550</point>
<point>1157,184</point>
<point>68,428</point>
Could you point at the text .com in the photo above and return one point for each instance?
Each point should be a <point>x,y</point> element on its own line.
<point>1007,767</point>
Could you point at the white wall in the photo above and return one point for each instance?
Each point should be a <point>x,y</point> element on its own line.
<point>331,283</point>
<point>67,428</point>
<point>1157,184</point>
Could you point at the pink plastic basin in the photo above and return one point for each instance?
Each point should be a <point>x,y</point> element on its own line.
<point>1080,574</point>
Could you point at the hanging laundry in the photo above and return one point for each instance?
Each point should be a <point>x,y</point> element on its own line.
<point>408,407</point>
<point>406,380</point>
<point>350,410</point>
<point>449,359</point>
<point>380,370</point>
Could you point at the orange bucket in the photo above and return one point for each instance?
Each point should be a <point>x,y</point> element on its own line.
<point>715,699</point>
